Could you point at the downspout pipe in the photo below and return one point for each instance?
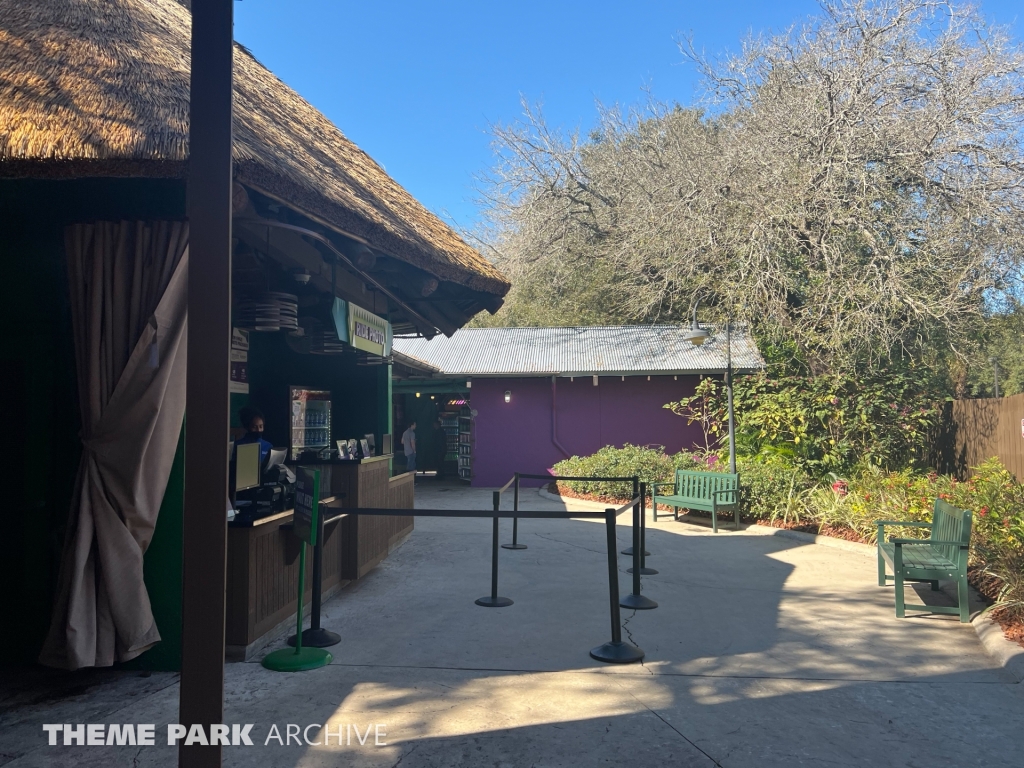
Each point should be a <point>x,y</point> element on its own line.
<point>554,417</point>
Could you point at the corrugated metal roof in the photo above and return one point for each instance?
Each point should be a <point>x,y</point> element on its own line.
<point>413,362</point>
<point>627,350</point>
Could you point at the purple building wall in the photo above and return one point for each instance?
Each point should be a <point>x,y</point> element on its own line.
<point>517,436</point>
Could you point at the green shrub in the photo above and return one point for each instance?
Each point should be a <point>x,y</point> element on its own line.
<point>773,488</point>
<point>997,501</point>
<point>650,464</point>
<point>873,494</point>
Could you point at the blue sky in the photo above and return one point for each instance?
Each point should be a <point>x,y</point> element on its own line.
<point>416,84</point>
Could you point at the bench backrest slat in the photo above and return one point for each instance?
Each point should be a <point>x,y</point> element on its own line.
<point>950,524</point>
<point>700,485</point>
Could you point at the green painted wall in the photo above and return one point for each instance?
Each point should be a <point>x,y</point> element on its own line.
<point>39,399</point>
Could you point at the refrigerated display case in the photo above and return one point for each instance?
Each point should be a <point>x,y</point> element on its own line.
<point>450,425</point>
<point>466,444</point>
<point>310,421</point>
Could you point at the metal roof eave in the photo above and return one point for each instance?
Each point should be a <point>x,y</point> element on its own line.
<point>414,363</point>
<point>584,374</point>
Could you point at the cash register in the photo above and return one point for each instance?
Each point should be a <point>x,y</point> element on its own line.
<point>259,490</point>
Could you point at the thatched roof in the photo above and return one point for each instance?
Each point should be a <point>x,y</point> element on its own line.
<point>101,88</point>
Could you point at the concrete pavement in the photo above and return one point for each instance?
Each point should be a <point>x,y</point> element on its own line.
<point>764,651</point>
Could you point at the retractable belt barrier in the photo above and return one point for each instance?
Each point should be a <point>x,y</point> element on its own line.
<point>616,651</point>
<point>515,502</point>
<point>638,551</point>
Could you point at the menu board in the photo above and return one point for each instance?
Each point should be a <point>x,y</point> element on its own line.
<point>307,503</point>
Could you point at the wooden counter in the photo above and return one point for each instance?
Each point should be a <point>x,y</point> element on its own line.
<point>263,560</point>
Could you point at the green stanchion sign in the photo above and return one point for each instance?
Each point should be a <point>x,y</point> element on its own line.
<point>306,524</point>
<point>307,504</point>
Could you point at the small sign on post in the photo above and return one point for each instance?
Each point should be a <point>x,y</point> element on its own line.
<point>304,526</point>
<point>307,504</point>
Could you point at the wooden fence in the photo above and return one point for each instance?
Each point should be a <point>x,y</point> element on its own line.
<point>977,430</point>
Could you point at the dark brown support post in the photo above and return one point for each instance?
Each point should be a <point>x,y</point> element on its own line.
<point>209,341</point>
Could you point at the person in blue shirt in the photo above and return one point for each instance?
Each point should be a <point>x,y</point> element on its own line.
<point>252,420</point>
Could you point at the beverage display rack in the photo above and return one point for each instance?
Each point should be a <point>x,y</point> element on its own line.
<point>465,444</point>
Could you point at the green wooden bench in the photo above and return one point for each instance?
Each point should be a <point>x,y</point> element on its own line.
<point>941,556</point>
<point>707,491</point>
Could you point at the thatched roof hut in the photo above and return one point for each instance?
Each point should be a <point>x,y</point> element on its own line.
<point>100,88</point>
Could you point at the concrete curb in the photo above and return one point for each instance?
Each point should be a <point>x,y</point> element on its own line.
<point>1008,654</point>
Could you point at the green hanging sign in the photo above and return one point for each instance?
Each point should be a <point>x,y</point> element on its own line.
<point>340,314</point>
<point>367,331</point>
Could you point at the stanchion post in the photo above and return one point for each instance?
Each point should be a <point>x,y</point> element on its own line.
<point>615,652</point>
<point>515,507</point>
<point>515,520</point>
<point>301,659</point>
<point>318,561</point>
<point>315,636</point>
<point>643,529</point>
<point>628,552</point>
<point>635,600</point>
<point>492,600</point>
<point>637,549</point>
<point>302,590</point>
<point>644,570</point>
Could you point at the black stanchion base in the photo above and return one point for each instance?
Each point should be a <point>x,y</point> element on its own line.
<point>637,602</point>
<point>629,552</point>
<point>513,546</point>
<point>617,653</point>
<point>645,571</point>
<point>317,638</point>
<point>494,602</point>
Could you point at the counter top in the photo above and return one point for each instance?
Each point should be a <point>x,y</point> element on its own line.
<point>330,505</point>
<point>321,462</point>
<point>236,523</point>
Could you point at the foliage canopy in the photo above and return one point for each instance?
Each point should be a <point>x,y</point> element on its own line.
<point>854,186</point>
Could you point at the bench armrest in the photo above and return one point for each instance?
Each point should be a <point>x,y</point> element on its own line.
<point>900,542</point>
<point>907,523</point>
<point>727,490</point>
<point>656,486</point>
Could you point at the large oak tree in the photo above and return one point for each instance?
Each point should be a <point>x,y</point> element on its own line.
<point>853,185</point>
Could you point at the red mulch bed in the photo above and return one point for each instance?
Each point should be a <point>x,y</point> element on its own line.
<point>987,586</point>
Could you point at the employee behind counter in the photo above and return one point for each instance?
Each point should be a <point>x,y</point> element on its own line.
<point>276,482</point>
<point>252,421</point>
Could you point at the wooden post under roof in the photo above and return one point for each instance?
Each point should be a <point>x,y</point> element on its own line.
<point>207,408</point>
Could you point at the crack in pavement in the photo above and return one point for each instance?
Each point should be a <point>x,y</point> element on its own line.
<point>570,544</point>
<point>715,762</point>
<point>405,755</point>
<point>629,636</point>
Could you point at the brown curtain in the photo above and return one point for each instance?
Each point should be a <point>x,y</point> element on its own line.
<point>128,284</point>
